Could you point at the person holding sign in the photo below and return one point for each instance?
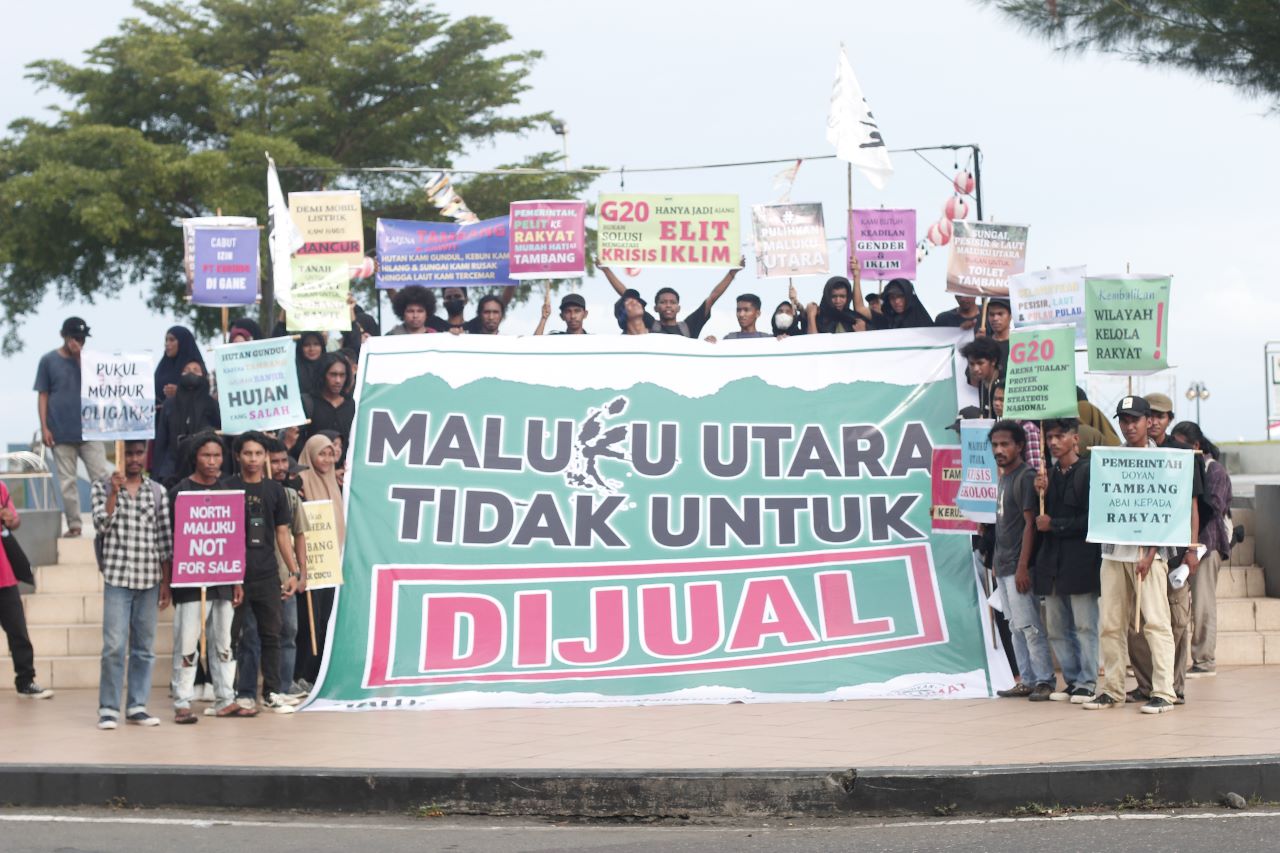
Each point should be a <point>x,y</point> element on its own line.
<point>207,450</point>
<point>834,314</point>
<point>1015,537</point>
<point>319,483</point>
<point>667,303</point>
<point>1134,577</point>
<point>131,517</point>
<point>267,523</point>
<point>58,402</point>
<point>1066,566</point>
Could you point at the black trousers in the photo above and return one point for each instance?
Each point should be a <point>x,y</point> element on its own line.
<point>264,598</point>
<point>13,618</point>
<point>308,665</point>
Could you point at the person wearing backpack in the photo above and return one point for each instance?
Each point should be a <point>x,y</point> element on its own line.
<point>134,547</point>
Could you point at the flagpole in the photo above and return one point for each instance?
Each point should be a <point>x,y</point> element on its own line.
<point>852,235</point>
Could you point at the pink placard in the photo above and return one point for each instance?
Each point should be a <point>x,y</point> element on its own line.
<point>547,239</point>
<point>947,517</point>
<point>884,242</point>
<point>208,538</point>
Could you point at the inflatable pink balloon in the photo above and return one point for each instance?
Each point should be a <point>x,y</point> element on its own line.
<point>632,271</point>
<point>956,208</point>
<point>940,233</point>
<point>365,269</point>
<point>963,182</point>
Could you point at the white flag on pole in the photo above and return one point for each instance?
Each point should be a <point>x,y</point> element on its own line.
<point>852,129</point>
<point>283,238</point>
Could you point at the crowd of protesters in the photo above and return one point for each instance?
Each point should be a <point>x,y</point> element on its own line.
<point>1060,595</point>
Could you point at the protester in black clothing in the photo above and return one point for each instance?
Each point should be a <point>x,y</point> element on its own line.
<point>490,312</point>
<point>180,349</point>
<point>667,304</point>
<point>901,308</point>
<point>998,327</point>
<point>573,311</point>
<point>244,329</point>
<point>1066,571</point>
<point>187,412</point>
<point>267,522</point>
<point>835,314</point>
<point>983,371</point>
<point>415,306</point>
<point>309,350</point>
<point>631,315</point>
<point>332,409</point>
<point>786,321</point>
<point>874,304</point>
<point>963,316</point>
<point>455,306</point>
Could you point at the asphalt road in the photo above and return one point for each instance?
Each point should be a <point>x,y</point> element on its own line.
<point>170,831</point>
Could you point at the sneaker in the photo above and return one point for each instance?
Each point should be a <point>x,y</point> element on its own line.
<point>106,723</point>
<point>1179,699</point>
<point>142,718</point>
<point>1017,691</point>
<point>34,691</point>
<point>1135,695</point>
<point>1101,702</point>
<point>1157,706</point>
<point>1041,693</point>
<point>304,685</point>
<point>1200,670</point>
<point>297,691</point>
<point>1080,695</point>
<point>280,704</point>
<point>1062,695</point>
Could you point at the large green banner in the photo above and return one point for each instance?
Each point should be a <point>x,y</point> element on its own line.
<point>538,521</point>
<point>1127,323</point>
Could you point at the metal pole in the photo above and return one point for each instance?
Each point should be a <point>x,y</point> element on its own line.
<point>977,179</point>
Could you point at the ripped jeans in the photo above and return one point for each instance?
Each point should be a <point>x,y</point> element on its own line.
<point>186,648</point>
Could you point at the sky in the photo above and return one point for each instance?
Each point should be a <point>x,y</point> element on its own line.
<point>1110,163</point>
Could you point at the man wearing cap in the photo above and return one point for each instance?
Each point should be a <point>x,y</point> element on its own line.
<point>58,386</point>
<point>631,314</point>
<point>1124,567</point>
<point>1179,599</point>
<point>573,310</point>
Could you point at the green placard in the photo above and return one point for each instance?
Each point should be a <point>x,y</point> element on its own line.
<point>1041,375</point>
<point>1128,323</point>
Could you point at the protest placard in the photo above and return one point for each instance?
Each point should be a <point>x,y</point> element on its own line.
<point>1128,323</point>
<point>324,553</point>
<point>692,231</point>
<point>258,385</point>
<point>208,538</point>
<point>1041,380</point>
<point>884,243</point>
<point>443,254</point>
<point>318,300</point>
<point>979,475</point>
<point>791,240</point>
<point>755,526</point>
<point>1049,297</point>
<point>548,239</point>
<point>117,395</point>
<point>984,255</point>
<point>947,470</point>
<point>189,227</point>
<point>1140,496</point>
<point>331,224</point>
<point>225,264</point>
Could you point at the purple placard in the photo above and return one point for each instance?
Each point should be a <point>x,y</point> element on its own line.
<point>442,254</point>
<point>208,538</point>
<point>225,266</point>
<point>548,239</point>
<point>884,243</point>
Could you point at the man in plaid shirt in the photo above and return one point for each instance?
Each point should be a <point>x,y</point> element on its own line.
<point>131,517</point>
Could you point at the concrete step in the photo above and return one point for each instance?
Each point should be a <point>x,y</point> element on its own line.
<point>1242,553</point>
<point>78,671</point>
<point>71,608</point>
<point>1241,582</point>
<point>68,577</point>
<point>1249,614</point>
<point>1248,648</point>
<point>1241,516</point>
<point>52,641</point>
<point>79,550</point>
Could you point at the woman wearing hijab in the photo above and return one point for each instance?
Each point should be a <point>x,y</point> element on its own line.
<point>189,411</point>
<point>318,484</point>
<point>180,349</point>
<point>901,308</point>
<point>835,314</point>
<point>309,357</point>
<point>244,329</point>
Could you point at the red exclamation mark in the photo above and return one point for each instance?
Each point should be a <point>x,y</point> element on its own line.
<point>1159,323</point>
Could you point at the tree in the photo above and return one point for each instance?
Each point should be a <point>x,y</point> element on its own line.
<point>170,117</point>
<point>1229,41</point>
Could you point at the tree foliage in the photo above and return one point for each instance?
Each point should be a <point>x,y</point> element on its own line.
<point>1236,42</point>
<point>169,118</point>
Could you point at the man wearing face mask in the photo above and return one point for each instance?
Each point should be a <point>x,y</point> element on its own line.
<point>189,411</point>
<point>455,306</point>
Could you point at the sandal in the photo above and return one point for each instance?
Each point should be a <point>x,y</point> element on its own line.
<point>184,717</point>
<point>73,533</point>
<point>236,710</point>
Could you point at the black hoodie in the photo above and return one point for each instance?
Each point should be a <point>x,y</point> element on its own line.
<point>914,315</point>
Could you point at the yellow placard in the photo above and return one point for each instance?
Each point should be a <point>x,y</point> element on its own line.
<point>331,225</point>
<point>324,555</point>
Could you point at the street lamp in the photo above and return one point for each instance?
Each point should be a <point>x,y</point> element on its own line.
<point>561,129</point>
<point>1198,391</point>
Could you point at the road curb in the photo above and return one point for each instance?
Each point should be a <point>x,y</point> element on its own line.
<point>815,792</point>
